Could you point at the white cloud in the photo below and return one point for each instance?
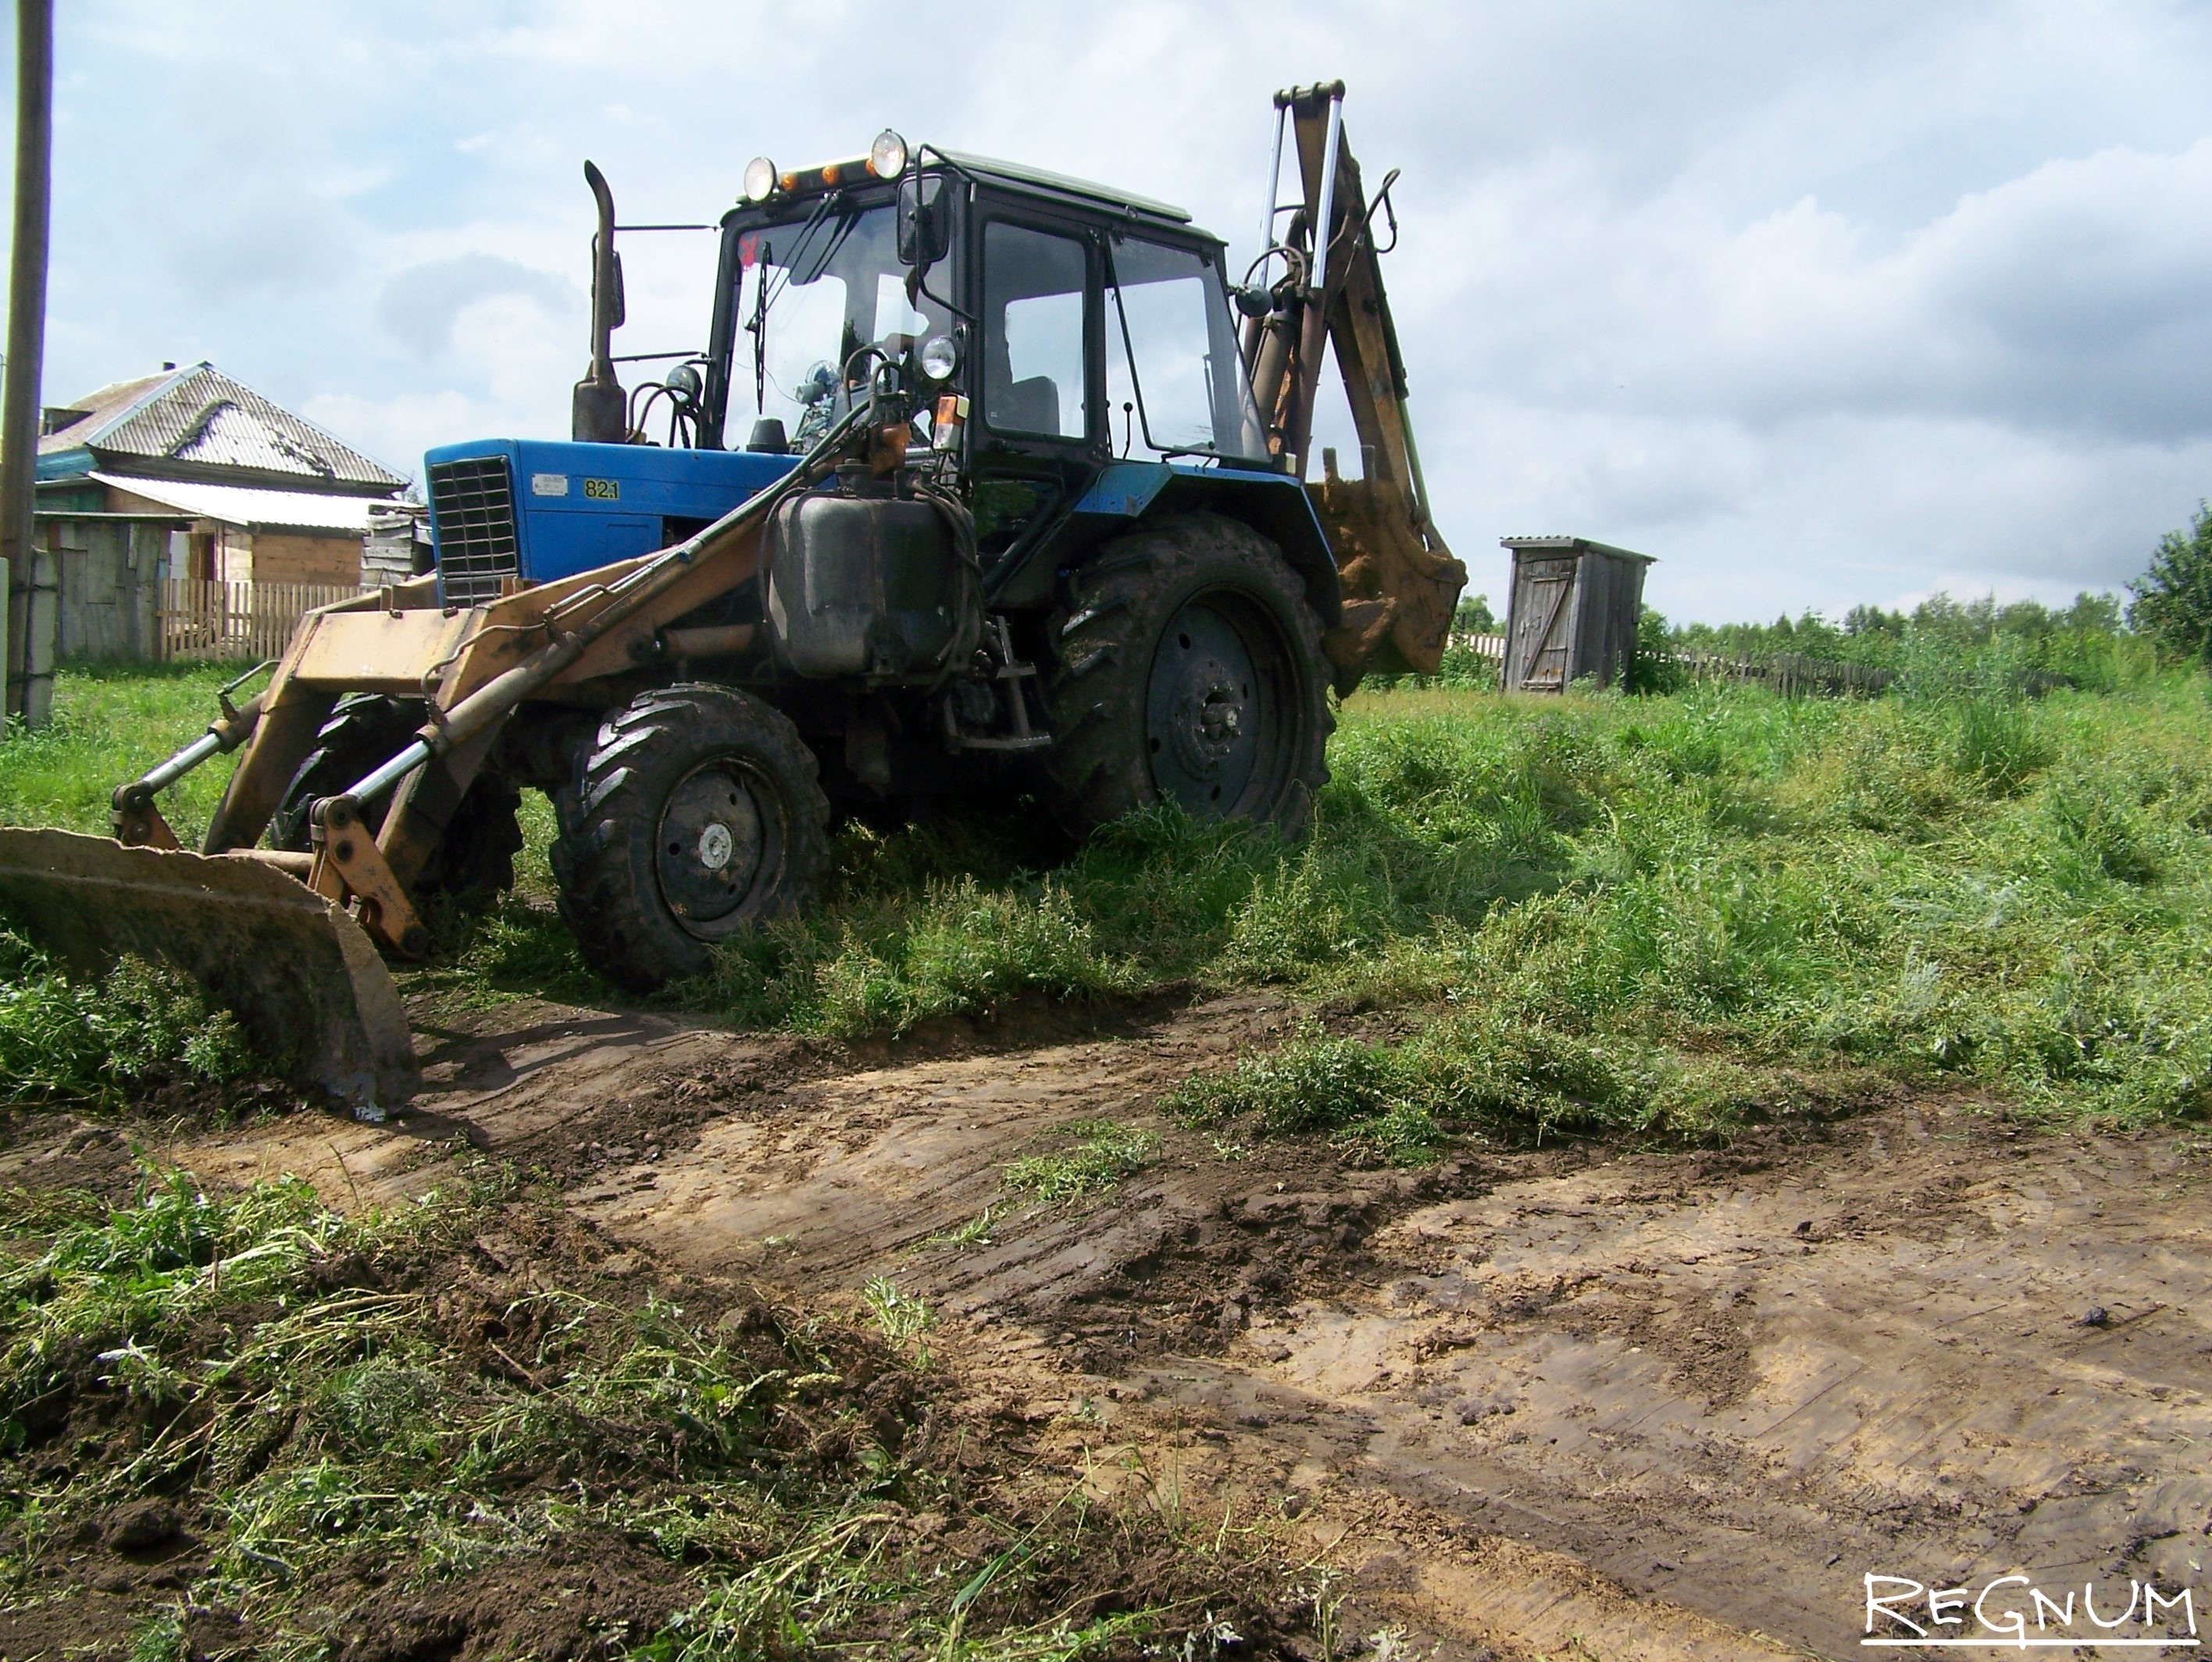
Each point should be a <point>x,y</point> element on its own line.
<point>421,303</point>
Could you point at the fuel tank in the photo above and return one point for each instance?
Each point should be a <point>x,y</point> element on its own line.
<point>864,587</point>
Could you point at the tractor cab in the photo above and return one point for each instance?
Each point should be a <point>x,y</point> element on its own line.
<point>1042,328</point>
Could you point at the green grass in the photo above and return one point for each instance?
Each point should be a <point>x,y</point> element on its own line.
<point>1714,893</point>
<point>1709,894</point>
<point>974,1232</point>
<point>310,1393</point>
<point>900,1317</point>
<point>111,723</point>
<point>1099,1154</point>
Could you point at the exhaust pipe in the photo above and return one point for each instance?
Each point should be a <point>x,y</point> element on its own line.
<point>599,414</point>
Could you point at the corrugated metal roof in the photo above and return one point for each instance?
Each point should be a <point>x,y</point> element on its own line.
<point>245,505</point>
<point>1556,541</point>
<point>204,417</point>
<point>104,406</point>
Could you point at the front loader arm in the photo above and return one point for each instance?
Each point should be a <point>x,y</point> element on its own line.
<point>284,940</point>
<point>1400,581</point>
<point>570,641</point>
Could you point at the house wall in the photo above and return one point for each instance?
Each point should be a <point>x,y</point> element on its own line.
<point>128,501</point>
<point>110,586</point>
<point>244,555</point>
<point>295,557</point>
<point>233,553</point>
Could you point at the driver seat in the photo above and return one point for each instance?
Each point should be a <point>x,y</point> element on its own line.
<point>1029,406</point>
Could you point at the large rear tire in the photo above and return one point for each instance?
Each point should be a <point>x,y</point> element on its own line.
<point>696,813</point>
<point>475,860</point>
<point>1187,667</point>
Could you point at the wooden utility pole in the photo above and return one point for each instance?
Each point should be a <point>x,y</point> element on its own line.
<point>30,640</point>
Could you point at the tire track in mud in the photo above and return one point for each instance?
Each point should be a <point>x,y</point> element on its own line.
<point>1671,1403</point>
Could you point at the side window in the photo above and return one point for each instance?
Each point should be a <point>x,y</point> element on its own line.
<point>1033,379</point>
<point>1174,379</point>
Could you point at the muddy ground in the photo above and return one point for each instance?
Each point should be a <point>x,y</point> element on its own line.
<point>1585,1401</point>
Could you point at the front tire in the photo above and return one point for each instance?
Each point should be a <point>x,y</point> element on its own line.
<point>696,813</point>
<point>475,857</point>
<point>1187,667</point>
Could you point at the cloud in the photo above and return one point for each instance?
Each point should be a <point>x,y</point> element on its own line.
<point>420,304</point>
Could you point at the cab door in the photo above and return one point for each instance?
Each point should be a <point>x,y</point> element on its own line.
<point>1037,425</point>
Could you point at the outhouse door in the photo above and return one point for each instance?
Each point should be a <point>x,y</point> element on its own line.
<point>1543,620</point>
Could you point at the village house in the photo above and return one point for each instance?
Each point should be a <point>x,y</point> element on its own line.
<point>184,515</point>
<point>256,494</point>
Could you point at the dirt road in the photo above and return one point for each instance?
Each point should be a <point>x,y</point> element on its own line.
<point>1646,1404</point>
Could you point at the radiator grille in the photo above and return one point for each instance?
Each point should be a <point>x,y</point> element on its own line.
<point>472,508</point>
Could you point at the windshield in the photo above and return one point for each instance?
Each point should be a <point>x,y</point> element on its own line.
<point>811,294</point>
<point>1172,357</point>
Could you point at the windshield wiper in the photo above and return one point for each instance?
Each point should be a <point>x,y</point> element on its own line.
<point>766,296</point>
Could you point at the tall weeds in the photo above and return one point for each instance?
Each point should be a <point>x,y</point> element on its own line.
<point>1954,882</point>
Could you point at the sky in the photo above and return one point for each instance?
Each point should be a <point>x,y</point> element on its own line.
<point>1819,304</point>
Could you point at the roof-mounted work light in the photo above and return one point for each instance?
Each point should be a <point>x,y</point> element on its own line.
<point>887,155</point>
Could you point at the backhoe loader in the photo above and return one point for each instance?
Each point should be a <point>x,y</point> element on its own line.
<point>1021,510</point>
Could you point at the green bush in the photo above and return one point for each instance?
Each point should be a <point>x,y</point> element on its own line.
<point>1653,664</point>
<point>2173,602</point>
<point>90,1043</point>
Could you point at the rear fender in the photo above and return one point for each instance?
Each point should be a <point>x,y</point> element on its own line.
<point>1273,504</point>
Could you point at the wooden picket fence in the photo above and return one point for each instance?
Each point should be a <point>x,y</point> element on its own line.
<point>236,621</point>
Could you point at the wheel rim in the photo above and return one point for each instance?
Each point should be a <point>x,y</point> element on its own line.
<point>1215,708</point>
<point>717,847</point>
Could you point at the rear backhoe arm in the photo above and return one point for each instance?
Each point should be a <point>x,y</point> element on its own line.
<point>1400,581</point>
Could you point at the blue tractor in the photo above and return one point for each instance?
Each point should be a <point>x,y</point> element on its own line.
<point>989,483</point>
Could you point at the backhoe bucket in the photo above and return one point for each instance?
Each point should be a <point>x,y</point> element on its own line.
<point>305,983</point>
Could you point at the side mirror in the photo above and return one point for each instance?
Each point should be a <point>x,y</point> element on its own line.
<point>925,220</point>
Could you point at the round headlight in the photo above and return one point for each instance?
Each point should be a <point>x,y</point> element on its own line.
<point>887,155</point>
<point>683,381</point>
<point>940,356</point>
<point>760,179</point>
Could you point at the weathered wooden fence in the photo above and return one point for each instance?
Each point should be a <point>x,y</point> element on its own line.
<point>1793,675</point>
<point>218,621</point>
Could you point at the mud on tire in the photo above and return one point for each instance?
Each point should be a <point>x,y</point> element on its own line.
<point>1185,665</point>
<point>475,860</point>
<point>695,813</point>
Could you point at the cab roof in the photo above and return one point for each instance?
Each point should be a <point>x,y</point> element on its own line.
<point>1025,177</point>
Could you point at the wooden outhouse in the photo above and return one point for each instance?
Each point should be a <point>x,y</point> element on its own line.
<point>1573,612</point>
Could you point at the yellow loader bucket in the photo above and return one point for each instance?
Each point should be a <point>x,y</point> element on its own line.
<point>302,978</point>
